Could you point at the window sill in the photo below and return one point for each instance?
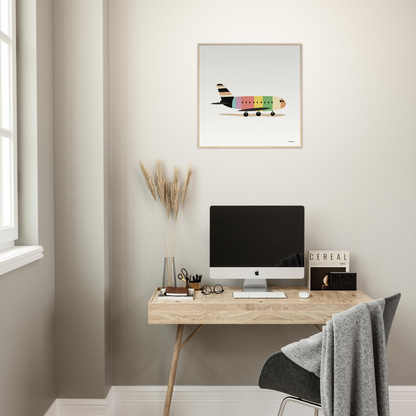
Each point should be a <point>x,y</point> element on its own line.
<point>18,256</point>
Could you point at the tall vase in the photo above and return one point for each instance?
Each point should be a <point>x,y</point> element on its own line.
<point>169,272</point>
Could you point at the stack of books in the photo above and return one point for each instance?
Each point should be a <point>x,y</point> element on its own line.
<point>323,262</point>
<point>176,293</point>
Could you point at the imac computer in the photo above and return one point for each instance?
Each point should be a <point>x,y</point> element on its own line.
<point>256,242</point>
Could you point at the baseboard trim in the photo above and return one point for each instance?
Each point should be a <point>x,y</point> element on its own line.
<point>194,394</point>
<point>84,407</point>
<point>402,394</point>
<point>203,400</point>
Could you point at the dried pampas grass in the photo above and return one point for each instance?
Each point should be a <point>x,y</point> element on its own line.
<point>186,183</point>
<point>148,179</point>
<point>160,180</point>
<point>170,198</point>
<point>174,193</point>
<point>169,194</point>
<point>166,197</point>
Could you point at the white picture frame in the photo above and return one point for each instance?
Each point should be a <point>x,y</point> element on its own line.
<point>230,114</point>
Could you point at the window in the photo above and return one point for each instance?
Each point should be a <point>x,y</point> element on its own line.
<point>8,147</point>
<point>11,256</point>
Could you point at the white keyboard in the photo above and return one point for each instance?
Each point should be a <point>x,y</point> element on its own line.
<point>259,295</point>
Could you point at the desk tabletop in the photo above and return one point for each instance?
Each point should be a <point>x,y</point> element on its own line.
<point>219,309</point>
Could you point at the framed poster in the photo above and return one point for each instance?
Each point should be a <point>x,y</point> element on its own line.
<point>249,95</point>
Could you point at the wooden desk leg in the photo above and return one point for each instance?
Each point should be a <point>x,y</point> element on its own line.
<point>173,368</point>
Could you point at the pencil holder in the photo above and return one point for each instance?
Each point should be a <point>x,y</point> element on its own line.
<point>195,286</point>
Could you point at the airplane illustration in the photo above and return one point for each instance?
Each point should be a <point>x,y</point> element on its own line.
<point>250,103</point>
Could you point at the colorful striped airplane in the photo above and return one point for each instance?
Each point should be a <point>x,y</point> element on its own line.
<point>250,103</point>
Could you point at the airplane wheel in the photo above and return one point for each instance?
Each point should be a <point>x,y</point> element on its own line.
<point>258,114</point>
<point>272,113</point>
<point>245,114</point>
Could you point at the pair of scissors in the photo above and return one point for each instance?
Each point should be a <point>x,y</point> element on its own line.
<point>184,275</point>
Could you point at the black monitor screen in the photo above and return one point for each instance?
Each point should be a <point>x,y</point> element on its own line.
<point>257,236</point>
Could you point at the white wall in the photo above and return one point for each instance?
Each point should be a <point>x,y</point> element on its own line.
<point>355,174</point>
<point>27,294</point>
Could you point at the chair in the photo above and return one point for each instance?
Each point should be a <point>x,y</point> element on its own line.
<point>281,374</point>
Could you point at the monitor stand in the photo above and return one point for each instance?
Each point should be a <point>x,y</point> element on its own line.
<point>255,285</point>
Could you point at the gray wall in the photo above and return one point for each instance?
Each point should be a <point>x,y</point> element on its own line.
<point>27,295</point>
<point>355,174</point>
<point>82,198</point>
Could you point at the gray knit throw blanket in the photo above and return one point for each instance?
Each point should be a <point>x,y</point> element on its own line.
<point>349,356</point>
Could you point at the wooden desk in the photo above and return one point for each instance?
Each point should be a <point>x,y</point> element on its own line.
<point>223,309</point>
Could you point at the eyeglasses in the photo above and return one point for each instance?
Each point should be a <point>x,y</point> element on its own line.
<point>207,290</point>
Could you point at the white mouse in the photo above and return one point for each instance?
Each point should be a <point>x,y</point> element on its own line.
<point>304,295</point>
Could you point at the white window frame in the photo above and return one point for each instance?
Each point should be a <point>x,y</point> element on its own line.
<point>9,233</point>
<point>11,256</point>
